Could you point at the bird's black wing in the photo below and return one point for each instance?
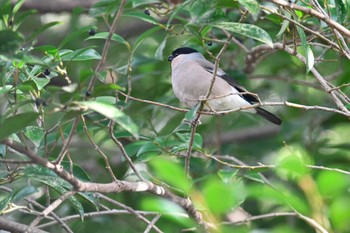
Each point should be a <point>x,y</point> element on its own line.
<point>221,74</point>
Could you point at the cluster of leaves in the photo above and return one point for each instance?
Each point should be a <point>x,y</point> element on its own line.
<point>45,117</point>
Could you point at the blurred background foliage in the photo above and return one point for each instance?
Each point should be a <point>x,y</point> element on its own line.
<point>241,165</point>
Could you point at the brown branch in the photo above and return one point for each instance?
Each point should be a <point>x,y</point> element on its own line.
<point>107,45</point>
<point>97,148</point>
<point>11,226</point>
<point>331,23</point>
<point>132,211</point>
<point>49,209</point>
<point>114,187</point>
<point>324,84</point>
<point>123,151</point>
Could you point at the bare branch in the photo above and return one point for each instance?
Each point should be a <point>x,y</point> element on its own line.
<point>49,209</point>
<point>331,23</point>
<point>11,226</point>
<point>106,46</point>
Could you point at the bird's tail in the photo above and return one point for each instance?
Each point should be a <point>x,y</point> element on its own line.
<point>268,116</point>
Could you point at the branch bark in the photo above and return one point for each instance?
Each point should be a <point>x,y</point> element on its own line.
<point>11,226</point>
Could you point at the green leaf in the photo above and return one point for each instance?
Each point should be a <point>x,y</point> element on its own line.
<point>28,190</point>
<point>168,209</point>
<point>285,23</point>
<point>48,177</point>
<point>340,213</point>
<point>49,49</point>
<point>329,188</point>
<point>247,30</point>
<point>171,172</point>
<point>214,190</point>
<point>340,10</point>
<point>104,35</point>
<point>10,41</point>
<point>4,89</point>
<point>112,112</point>
<point>159,53</point>
<point>3,150</point>
<point>74,35</point>
<point>78,172</point>
<point>18,5</point>
<point>40,82</point>
<point>84,54</point>
<point>142,16</point>
<point>309,56</point>
<point>227,175</point>
<point>148,150</point>
<point>35,134</point>
<point>16,123</point>
<point>252,6</point>
<point>291,162</point>
<point>144,36</point>
<point>137,3</point>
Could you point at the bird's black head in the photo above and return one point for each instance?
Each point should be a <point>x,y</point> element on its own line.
<point>179,51</point>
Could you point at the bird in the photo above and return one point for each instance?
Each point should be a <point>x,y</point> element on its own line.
<point>191,77</point>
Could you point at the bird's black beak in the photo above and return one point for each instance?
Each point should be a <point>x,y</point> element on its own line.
<point>170,58</point>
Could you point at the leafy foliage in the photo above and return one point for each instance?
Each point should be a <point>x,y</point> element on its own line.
<point>96,105</point>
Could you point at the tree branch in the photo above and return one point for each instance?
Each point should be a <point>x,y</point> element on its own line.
<point>331,23</point>
<point>11,226</point>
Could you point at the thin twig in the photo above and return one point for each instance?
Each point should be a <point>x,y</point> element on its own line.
<point>64,149</point>
<point>49,209</point>
<point>131,210</point>
<point>151,224</point>
<point>201,107</point>
<point>107,45</point>
<point>123,151</point>
<point>97,148</point>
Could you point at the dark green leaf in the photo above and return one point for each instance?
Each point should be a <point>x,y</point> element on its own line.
<point>28,190</point>
<point>35,134</point>
<point>252,6</point>
<point>10,41</point>
<point>84,54</point>
<point>309,56</point>
<point>78,172</point>
<point>247,30</point>
<point>104,35</point>
<point>143,17</point>
<point>341,10</point>
<point>148,150</point>
<point>40,82</point>
<point>74,35</point>
<point>16,123</point>
<point>2,150</point>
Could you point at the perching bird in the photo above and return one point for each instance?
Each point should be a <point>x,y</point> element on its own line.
<point>191,78</point>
